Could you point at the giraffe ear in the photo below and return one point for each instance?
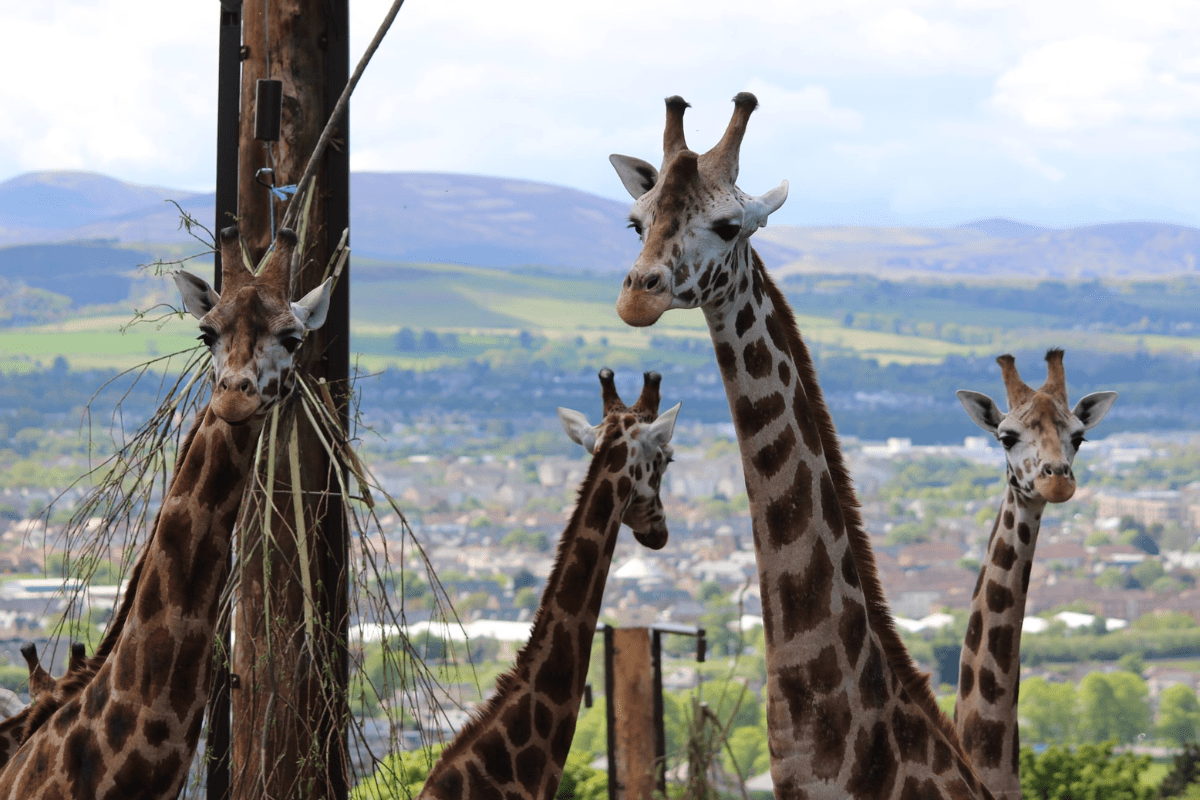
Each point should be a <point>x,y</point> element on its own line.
<point>578,428</point>
<point>763,206</point>
<point>981,408</point>
<point>198,297</point>
<point>1092,408</point>
<point>636,175</point>
<point>659,432</point>
<point>312,308</point>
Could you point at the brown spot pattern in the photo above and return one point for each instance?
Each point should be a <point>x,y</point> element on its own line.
<point>787,516</point>
<point>874,770</point>
<point>988,688</point>
<point>758,359</point>
<point>853,629</point>
<point>974,632</point>
<point>772,457</point>
<point>807,595</point>
<point>999,597</point>
<point>1004,554</point>
<point>1000,645</point>
<point>832,720</point>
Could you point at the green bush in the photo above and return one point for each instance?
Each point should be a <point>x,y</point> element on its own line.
<point>1184,777</point>
<point>1090,773</point>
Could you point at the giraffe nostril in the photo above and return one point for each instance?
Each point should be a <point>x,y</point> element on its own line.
<point>652,283</point>
<point>628,281</point>
<point>1047,470</point>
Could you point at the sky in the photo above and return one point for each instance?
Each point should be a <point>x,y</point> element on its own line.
<point>1056,113</point>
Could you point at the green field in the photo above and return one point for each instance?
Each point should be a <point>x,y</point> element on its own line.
<point>891,322</point>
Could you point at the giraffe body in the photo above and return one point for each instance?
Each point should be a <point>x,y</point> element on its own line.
<point>1041,435</point>
<point>848,714</point>
<point>131,730</point>
<point>518,744</point>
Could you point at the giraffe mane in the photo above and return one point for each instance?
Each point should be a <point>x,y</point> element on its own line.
<point>74,682</point>
<point>879,615</point>
<point>510,679</point>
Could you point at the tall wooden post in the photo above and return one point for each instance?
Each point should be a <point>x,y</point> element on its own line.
<point>633,731</point>
<point>289,706</point>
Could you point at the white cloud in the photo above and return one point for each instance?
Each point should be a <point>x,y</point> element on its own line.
<point>1084,82</point>
<point>922,108</point>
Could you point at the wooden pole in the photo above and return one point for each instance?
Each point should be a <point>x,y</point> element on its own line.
<point>633,703</point>
<point>290,709</point>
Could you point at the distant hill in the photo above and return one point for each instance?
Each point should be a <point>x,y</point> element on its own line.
<point>505,222</point>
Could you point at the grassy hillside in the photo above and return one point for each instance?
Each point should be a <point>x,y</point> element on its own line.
<point>892,322</point>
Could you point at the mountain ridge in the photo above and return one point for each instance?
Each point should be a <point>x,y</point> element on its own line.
<point>511,222</point>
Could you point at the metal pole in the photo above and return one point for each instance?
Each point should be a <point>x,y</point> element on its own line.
<point>229,77</point>
<point>336,549</point>
<point>660,730</point>
<point>610,716</point>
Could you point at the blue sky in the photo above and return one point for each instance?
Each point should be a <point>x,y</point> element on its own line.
<point>922,113</point>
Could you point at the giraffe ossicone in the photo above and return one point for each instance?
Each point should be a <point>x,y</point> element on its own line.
<point>848,713</point>
<point>127,724</point>
<point>1040,434</point>
<point>517,744</point>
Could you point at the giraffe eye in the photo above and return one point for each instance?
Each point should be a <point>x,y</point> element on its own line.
<point>1008,440</point>
<point>727,230</point>
<point>208,336</point>
<point>637,226</point>
<point>290,342</point>
<point>1077,440</point>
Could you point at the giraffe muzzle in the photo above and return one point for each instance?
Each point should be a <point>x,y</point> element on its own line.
<point>1055,482</point>
<point>645,295</point>
<point>236,398</point>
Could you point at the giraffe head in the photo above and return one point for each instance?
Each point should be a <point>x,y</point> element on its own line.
<point>252,328</point>
<point>643,438</point>
<point>1040,433</point>
<point>694,222</point>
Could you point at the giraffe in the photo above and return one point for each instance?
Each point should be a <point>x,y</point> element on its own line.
<point>40,681</point>
<point>1041,435</point>
<point>41,686</point>
<point>517,745</point>
<point>80,669</point>
<point>132,730</point>
<point>848,713</point>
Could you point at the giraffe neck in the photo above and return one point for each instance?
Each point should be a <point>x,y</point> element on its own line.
<point>133,729</point>
<point>848,713</point>
<point>74,681</point>
<point>985,712</point>
<point>517,746</point>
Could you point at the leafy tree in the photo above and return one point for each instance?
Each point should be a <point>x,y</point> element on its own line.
<point>1132,662</point>
<point>908,533</point>
<point>1147,572</point>
<point>1179,714</point>
<point>1048,712</point>
<point>399,776</point>
<point>1113,706</point>
<point>532,540</point>
<point>591,737</point>
<point>524,579</point>
<point>1110,578</point>
<point>1170,621</point>
<point>1184,775</point>
<point>526,598</point>
<point>748,747</point>
<point>580,781</point>
<point>1090,773</point>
